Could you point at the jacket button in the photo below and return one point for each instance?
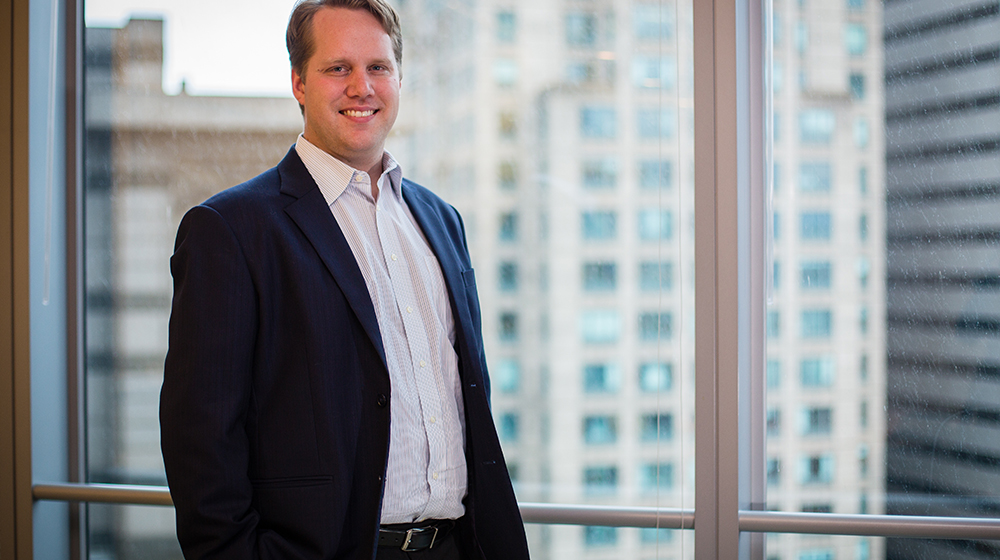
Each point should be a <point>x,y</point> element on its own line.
<point>382,400</point>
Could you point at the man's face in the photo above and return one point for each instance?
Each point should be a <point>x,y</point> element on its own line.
<point>349,88</point>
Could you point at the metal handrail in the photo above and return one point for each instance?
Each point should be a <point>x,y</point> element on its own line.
<point>616,516</point>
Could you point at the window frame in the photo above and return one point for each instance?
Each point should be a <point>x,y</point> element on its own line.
<point>730,156</point>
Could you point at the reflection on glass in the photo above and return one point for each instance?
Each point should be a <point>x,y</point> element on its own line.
<point>942,273</point>
<point>573,174</point>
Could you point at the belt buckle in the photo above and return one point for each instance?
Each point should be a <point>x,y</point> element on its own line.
<point>419,530</point>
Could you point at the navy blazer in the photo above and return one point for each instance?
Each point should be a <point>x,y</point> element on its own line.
<point>274,410</point>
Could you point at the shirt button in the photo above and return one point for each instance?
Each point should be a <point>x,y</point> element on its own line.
<point>434,476</point>
<point>433,419</point>
<point>409,310</point>
<point>393,257</point>
<point>423,363</point>
<point>382,400</point>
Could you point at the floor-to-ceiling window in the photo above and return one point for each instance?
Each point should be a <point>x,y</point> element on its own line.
<point>846,188</point>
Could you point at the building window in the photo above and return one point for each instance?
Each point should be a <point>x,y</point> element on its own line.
<point>654,277</point>
<point>601,378</point>
<point>773,422</point>
<point>655,174</point>
<point>863,180</point>
<point>816,372</point>
<point>509,427</point>
<point>864,271</point>
<point>600,326</point>
<point>581,29</point>
<point>580,72</point>
<point>863,461</point>
<point>506,27</point>
<point>597,122</point>
<point>776,275</point>
<point>816,508</point>
<point>655,326</point>
<point>773,323</point>
<point>801,37</point>
<point>508,327</point>
<point>507,376</point>
<point>817,469</point>
<point>773,374</point>
<point>817,323</point>
<point>863,227</point>
<point>508,126</point>
<point>656,476</point>
<point>652,535</point>
<point>773,472</point>
<point>508,226</point>
<point>600,536</point>
<point>816,554</point>
<point>863,321</point>
<point>507,276</point>
<point>816,275</point>
<point>814,177</point>
<point>507,175</point>
<point>600,480</point>
<point>862,133</point>
<point>654,124</point>
<point>855,39</point>
<point>654,72</point>
<point>655,224</point>
<point>776,225</point>
<point>816,126</point>
<point>655,377</point>
<point>599,276</point>
<point>817,421</point>
<point>656,427</point>
<point>600,430</point>
<point>600,173</point>
<point>652,22</point>
<point>505,72</point>
<point>599,225</point>
<point>857,82</point>
<point>815,226</point>
<point>863,414</point>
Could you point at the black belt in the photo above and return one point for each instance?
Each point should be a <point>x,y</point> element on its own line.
<point>415,536</point>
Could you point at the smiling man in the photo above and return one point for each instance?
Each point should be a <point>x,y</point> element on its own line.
<point>325,392</point>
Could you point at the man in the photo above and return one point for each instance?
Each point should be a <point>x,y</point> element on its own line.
<point>325,393</point>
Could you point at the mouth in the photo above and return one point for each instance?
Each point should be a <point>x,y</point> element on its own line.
<point>358,114</point>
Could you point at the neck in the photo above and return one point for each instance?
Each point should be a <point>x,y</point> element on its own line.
<point>374,173</point>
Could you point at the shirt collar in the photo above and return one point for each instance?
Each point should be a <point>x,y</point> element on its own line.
<point>333,176</point>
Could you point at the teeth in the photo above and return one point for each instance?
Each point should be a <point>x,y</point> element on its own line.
<point>352,113</point>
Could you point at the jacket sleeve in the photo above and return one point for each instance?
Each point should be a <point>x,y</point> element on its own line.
<point>206,390</point>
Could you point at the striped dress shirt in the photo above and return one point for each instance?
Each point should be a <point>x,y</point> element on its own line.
<point>426,476</point>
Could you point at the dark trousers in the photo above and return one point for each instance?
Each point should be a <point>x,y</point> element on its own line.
<point>444,550</point>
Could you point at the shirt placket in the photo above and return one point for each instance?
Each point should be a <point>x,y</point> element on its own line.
<point>388,222</point>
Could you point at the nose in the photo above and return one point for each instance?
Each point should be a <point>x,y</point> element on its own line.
<point>359,85</point>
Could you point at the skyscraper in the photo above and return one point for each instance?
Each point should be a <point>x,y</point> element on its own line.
<point>942,116</point>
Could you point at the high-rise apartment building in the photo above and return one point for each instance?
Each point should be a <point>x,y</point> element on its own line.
<point>148,158</point>
<point>825,328</point>
<point>942,128</point>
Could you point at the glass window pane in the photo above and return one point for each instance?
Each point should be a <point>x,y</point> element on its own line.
<point>575,203</point>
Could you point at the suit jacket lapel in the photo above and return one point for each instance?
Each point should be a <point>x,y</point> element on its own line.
<point>444,249</point>
<point>310,212</point>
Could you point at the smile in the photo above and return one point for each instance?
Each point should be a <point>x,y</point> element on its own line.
<point>353,113</point>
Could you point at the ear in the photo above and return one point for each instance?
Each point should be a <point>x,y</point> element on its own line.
<point>298,87</point>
